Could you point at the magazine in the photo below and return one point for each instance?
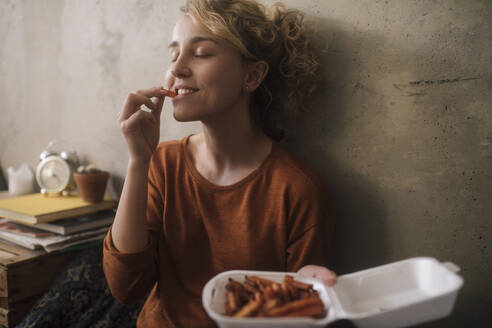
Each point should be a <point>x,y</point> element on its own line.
<point>77,224</point>
<point>22,230</point>
<point>54,242</point>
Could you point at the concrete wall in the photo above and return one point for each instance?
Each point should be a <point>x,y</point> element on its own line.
<point>402,133</point>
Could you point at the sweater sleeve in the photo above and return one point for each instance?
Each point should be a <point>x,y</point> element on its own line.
<point>130,276</point>
<point>311,225</point>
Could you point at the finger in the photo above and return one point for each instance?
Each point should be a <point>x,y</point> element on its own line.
<point>327,276</point>
<point>158,110</point>
<point>152,92</point>
<point>157,92</point>
<point>140,100</point>
<point>136,120</point>
<point>133,103</point>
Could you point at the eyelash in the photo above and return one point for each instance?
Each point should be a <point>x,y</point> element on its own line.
<point>198,56</point>
<point>203,56</point>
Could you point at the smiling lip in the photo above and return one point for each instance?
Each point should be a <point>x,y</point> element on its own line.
<point>183,90</point>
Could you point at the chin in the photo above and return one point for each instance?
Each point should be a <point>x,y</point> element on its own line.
<point>185,116</point>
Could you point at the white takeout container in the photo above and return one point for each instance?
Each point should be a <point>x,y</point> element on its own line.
<point>398,294</point>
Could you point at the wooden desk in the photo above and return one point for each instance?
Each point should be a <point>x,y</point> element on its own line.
<point>25,275</point>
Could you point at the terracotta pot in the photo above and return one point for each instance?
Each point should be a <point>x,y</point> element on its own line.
<point>92,185</point>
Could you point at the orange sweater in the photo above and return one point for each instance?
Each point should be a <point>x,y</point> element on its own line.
<point>276,219</point>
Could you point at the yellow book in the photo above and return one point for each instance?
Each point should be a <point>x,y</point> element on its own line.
<point>37,208</point>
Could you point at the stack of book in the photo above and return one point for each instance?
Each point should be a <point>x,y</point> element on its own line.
<point>53,223</point>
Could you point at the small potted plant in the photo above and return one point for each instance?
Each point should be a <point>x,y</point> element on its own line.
<point>91,182</point>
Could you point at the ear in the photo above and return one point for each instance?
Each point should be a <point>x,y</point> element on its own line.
<point>255,74</point>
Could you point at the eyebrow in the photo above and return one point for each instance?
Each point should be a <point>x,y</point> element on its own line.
<point>193,40</point>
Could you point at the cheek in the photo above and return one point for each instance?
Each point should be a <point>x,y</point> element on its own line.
<point>225,80</point>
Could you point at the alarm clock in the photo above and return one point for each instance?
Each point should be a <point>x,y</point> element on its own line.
<point>54,172</point>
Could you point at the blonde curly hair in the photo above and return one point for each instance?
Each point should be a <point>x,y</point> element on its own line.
<point>276,35</point>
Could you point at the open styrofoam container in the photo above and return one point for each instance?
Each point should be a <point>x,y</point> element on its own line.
<point>398,294</point>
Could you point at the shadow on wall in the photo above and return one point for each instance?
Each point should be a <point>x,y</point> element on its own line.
<point>438,98</point>
<point>3,183</point>
<point>360,234</point>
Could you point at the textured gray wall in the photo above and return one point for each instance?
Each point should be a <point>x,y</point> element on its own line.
<point>402,132</point>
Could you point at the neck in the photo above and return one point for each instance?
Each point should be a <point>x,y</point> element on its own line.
<point>233,139</point>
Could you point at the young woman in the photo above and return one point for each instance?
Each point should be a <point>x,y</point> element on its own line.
<point>230,197</point>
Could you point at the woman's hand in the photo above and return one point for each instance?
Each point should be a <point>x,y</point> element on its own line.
<point>327,276</point>
<point>140,128</point>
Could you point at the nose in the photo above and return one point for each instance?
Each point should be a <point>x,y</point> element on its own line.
<point>179,68</point>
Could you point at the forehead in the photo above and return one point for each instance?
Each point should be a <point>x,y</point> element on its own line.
<point>186,29</point>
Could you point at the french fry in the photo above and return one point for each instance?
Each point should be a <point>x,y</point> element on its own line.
<point>316,311</point>
<point>169,93</point>
<point>232,304</point>
<point>304,293</point>
<point>259,281</point>
<point>268,305</point>
<point>251,287</point>
<point>251,308</point>
<point>301,285</point>
<point>290,290</point>
<point>293,306</point>
<point>260,297</point>
<point>236,287</point>
<point>288,278</point>
<point>285,293</point>
<point>269,293</point>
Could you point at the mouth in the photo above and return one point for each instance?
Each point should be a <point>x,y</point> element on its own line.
<point>185,91</point>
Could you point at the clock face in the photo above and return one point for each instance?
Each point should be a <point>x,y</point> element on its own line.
<point>53,174</point>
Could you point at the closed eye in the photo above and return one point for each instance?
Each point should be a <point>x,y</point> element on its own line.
<point>175,57</point>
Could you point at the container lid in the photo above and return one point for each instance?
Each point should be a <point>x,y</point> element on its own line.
<point>393,286</point>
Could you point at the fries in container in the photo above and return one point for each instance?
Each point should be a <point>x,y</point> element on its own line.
<point>260,297</point>
<point>266,299</point>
